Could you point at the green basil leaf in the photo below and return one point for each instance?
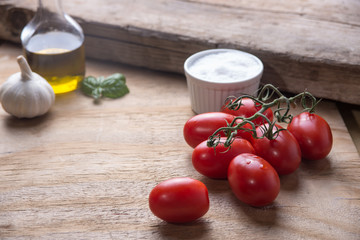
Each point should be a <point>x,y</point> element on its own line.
<point>89,84</point>
<point>118,76</point>
<point>97,93</point>
<point>114,86</point>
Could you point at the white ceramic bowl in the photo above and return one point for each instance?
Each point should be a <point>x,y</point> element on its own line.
<point>227,72</point>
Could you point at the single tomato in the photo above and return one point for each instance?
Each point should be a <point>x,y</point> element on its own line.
<point>202,126</point>
<point>179,200</point>
<point>283,152</point>
<point>214,163</point>
<point>253,180</point>
<point>248,109</point>
<point>313,134</point>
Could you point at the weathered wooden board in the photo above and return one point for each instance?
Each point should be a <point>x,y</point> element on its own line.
<point>309,45</point>
<point>84,171</point>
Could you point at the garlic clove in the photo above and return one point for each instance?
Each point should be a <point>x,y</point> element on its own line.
<point>26,94</point>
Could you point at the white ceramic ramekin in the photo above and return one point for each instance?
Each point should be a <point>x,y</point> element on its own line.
<point>209,96</point>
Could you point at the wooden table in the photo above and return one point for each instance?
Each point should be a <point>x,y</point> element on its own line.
<point>85,170</point>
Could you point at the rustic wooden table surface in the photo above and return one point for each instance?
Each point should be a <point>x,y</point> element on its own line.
<point>85,170</point>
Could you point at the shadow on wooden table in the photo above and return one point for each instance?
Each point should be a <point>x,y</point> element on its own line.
<point>193,230</point>
<point>290,182</point>
<point>215,186</point>
<point>320,167</point>
<point>262,216</point>
<point>20,123</point>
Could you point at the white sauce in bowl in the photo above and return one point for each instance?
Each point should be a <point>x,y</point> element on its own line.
<point>226,66</point>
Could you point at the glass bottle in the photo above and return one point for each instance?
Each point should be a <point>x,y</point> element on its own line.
<point>53,44</point>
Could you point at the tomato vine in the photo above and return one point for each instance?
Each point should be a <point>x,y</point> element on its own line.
<point>268,97</point>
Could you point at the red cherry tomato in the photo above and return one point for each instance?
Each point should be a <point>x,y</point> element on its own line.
<point>248,109</point>
<point>179,200</point>
<point>283,152</point>
<point>214,163</point>
<point>200,127</point>
<point>253,180</point>
<point>313,134</point>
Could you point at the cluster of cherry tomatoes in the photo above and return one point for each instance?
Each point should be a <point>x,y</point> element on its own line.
<point>251,165</point>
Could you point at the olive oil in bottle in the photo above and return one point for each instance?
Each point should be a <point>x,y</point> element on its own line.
<point>61,60</point>
<point>53,44</point>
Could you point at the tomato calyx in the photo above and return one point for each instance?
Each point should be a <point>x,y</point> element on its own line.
<point>270,131</point>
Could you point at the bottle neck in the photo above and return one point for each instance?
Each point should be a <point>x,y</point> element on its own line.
<point>50,7</point>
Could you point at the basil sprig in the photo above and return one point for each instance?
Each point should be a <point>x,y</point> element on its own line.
<point>113,86</point>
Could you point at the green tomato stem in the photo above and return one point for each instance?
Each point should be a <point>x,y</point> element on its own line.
<point>268,97</point>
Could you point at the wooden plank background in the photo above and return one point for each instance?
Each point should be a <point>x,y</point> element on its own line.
<point>309,45</point>
<point>84,171</point>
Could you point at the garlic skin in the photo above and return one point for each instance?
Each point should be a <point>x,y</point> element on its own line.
<point>26,94</point>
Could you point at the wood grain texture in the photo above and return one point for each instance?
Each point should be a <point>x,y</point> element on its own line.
<point>84,171</point>
<point>304,44</point>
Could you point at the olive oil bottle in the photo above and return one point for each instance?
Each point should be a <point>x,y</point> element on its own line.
<point>53,44</point>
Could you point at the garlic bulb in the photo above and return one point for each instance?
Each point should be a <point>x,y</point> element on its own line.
<point>26,94</point>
